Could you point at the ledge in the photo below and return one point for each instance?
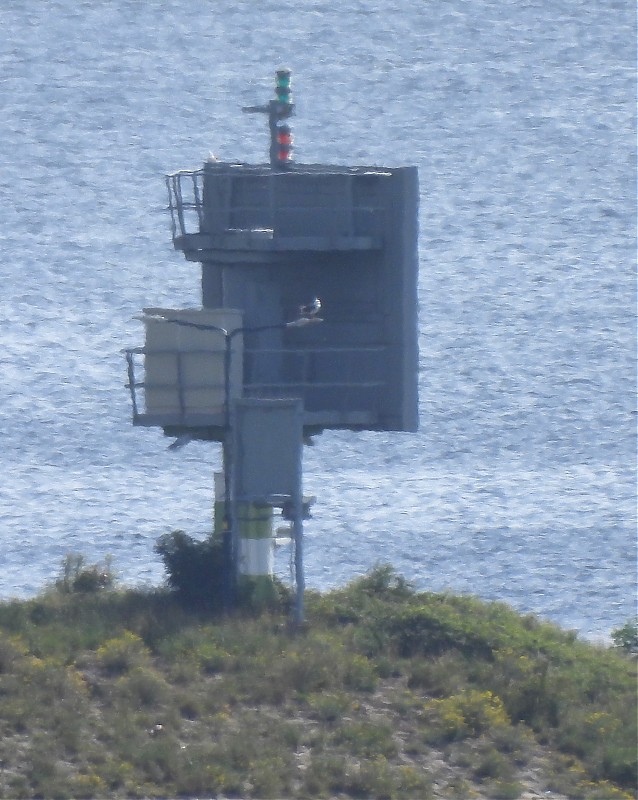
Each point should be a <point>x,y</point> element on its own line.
<point>266,241</point>
<point>200,422</point>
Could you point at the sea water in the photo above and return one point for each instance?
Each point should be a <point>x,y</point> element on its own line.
<point>520,483</point>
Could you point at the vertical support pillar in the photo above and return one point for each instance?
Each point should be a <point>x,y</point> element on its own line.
<point>255,557</point>
<point>267,449</point>
<point>297,532</point>
<point>229,536</point>
<point>254,551</point>
<point>218,508</point>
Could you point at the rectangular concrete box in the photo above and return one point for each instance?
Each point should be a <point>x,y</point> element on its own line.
<point>267,442</point>
<point>184,365</point>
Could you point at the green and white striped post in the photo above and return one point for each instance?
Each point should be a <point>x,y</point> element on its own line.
<point>255,545</point>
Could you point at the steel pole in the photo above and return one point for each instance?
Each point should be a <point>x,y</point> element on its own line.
<point>299,569</point>
<point>228,533</point>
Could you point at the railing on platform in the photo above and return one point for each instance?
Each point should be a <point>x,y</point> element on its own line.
<point>187,215</point>
<point>296,376</point>
<point>209,202</point>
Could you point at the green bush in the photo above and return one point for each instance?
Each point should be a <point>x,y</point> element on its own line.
<point>626,638</point>
<point>360,674</point>
<point>438,677</point>
<point>328,706</point>
<point>143,687</point>
<point>467,714</point>
<point>195,569</point>
<point>492,765</point>
<point>366,739</point>
<point>123,653</point>
<point>12,650</point>
<point>79,577</point>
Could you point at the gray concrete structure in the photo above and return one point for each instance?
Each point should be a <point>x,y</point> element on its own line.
<point>283,246</point>
<point>271,240</point>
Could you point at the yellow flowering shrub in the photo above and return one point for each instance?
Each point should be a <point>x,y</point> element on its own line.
<point>466,714</point>
<point>120,654</point>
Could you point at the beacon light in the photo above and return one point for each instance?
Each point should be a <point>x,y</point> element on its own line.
<point>282,87</point>
<point>284,142</point>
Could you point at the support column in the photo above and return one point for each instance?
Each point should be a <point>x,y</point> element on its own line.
<point>255,545</point>
<point>218,508</point>
<point>255,556</point>
<point>297,532</point>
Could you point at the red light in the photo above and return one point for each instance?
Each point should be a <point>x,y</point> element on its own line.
<point>284,142</point>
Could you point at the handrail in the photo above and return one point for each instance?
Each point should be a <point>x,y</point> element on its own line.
<point>179,204</point>
<point>176,203</point>
<point>298,385</point>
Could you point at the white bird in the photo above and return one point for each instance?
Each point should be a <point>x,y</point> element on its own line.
<point>312,309</point>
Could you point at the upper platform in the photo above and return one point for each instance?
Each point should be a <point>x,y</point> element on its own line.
<point>226,208</point>
<point>269,241</point>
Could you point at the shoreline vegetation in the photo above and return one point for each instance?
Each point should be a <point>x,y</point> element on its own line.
<point>384,693</point>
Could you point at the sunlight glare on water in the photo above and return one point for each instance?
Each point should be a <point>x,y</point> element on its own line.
<point>520,484</point>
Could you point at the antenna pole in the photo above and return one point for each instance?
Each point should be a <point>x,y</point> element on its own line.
<point>278,110</point>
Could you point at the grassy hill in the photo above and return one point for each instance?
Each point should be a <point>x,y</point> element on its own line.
<point>386,693</point>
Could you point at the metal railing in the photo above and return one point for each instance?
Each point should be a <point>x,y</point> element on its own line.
<point>296,377</point>
<point>189,214</point>
<point>185,213</point>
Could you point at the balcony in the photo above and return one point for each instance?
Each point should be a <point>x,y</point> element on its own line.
<point>241,208</point>
<point>177,380</point>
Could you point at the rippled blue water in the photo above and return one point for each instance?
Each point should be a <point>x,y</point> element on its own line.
<point>520,484</point>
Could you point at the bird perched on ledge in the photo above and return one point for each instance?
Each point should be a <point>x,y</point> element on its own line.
<point>311,309</point>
